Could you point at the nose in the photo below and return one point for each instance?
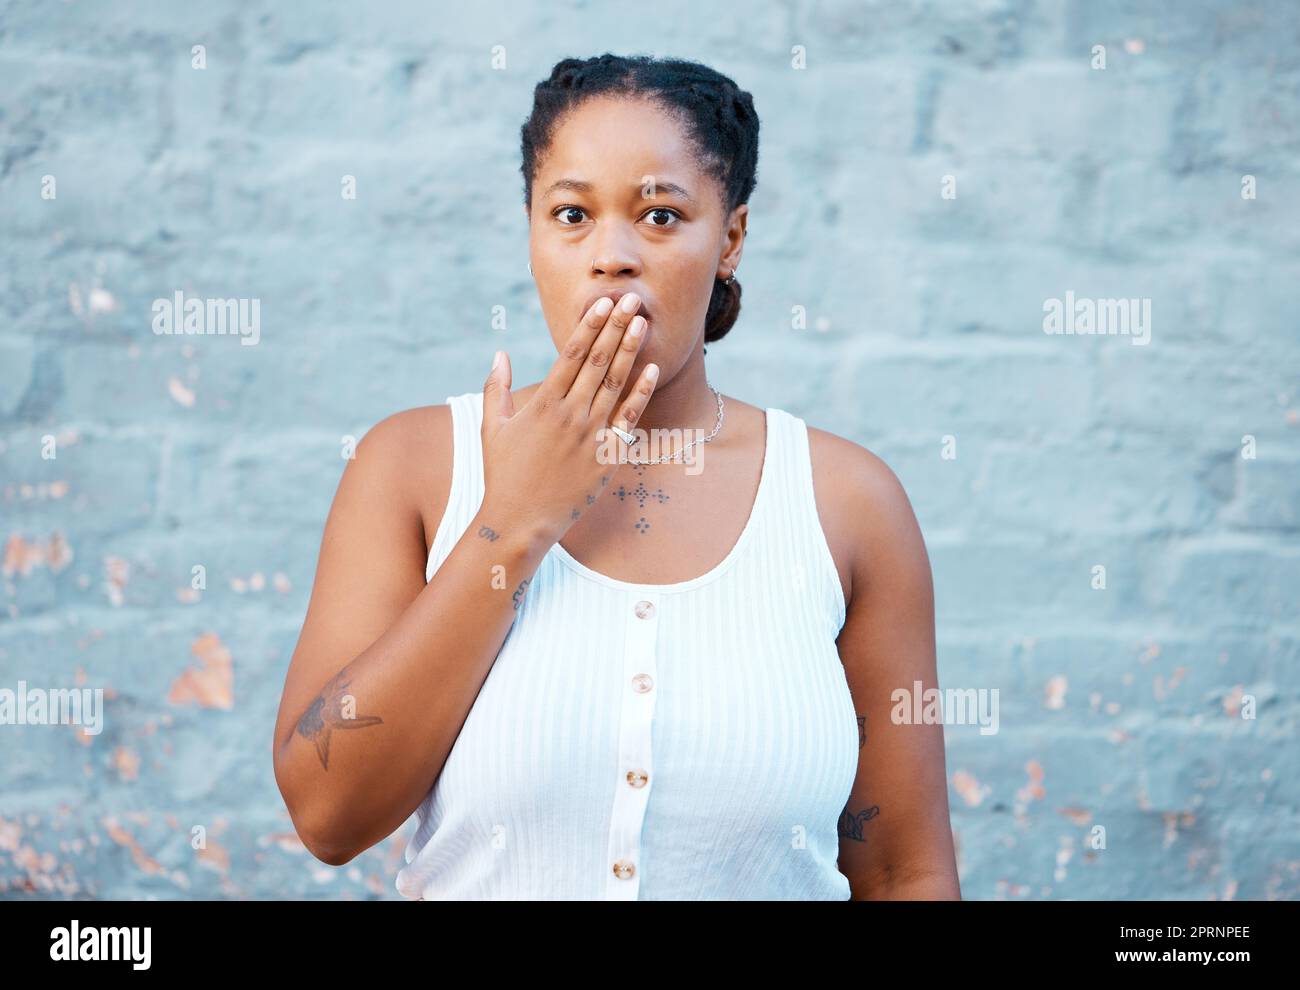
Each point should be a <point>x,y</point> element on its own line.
<point>614,259</point>
<point>608,265</point>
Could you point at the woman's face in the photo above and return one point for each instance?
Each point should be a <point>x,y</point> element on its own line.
<point>620,205</point>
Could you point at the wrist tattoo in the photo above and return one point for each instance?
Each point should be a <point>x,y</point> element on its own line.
<point>519,593</point>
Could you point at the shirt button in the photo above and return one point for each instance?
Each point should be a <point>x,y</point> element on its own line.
<point>642,683</point>
<point>645,610</point>
<point>637,778</point>
<point>624,869</point>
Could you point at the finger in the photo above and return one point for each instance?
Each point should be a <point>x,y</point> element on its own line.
<point>564,371</point>
<point>498,403</point>
<point>629,413</point>
<point>620,371</point>
<point>602,352</point>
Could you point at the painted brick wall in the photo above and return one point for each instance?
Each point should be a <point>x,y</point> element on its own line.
<point>903,309</point>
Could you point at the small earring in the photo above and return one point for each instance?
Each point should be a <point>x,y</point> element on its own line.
<point>530,268</point>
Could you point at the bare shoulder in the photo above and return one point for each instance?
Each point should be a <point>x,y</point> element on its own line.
<point>853,472</point>
<point>412,450</point>
<point>864,509</point>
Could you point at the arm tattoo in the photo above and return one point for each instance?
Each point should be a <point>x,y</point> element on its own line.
<point>488,533</point>
<point>850,825</point>
<point>519,593</point>
<point>326,714</point>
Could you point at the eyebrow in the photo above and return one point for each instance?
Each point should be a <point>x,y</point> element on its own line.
<point>579,186</point>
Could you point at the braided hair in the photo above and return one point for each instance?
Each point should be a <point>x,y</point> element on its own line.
<point>718,116</point>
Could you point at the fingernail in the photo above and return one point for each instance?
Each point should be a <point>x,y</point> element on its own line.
<point>603,306</point>
<point>496,360</point>
<point>652,372</point>
<point>629,303</point>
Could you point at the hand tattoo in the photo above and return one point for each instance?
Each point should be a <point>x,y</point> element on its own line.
<point>591,500</point>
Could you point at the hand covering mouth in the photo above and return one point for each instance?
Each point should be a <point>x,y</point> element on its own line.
<point>616,294</point>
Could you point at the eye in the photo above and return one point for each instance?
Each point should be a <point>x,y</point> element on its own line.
<point>561,210</point>
<point>566,209</point>
<point>664,209</point>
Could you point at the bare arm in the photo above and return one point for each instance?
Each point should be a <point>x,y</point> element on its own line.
<point>387,668</point>
<point>895,835</point>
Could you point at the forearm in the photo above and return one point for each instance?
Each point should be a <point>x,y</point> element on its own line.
<point>404,698</point>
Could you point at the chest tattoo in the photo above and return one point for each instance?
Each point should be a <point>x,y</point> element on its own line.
<point>641,494</point>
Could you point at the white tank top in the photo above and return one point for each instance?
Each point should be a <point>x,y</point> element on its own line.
<point>686,741</point>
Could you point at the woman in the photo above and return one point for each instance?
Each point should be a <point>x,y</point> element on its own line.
<point>662,676</point>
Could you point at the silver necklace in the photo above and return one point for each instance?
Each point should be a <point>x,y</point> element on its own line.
<point>629,438</point>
